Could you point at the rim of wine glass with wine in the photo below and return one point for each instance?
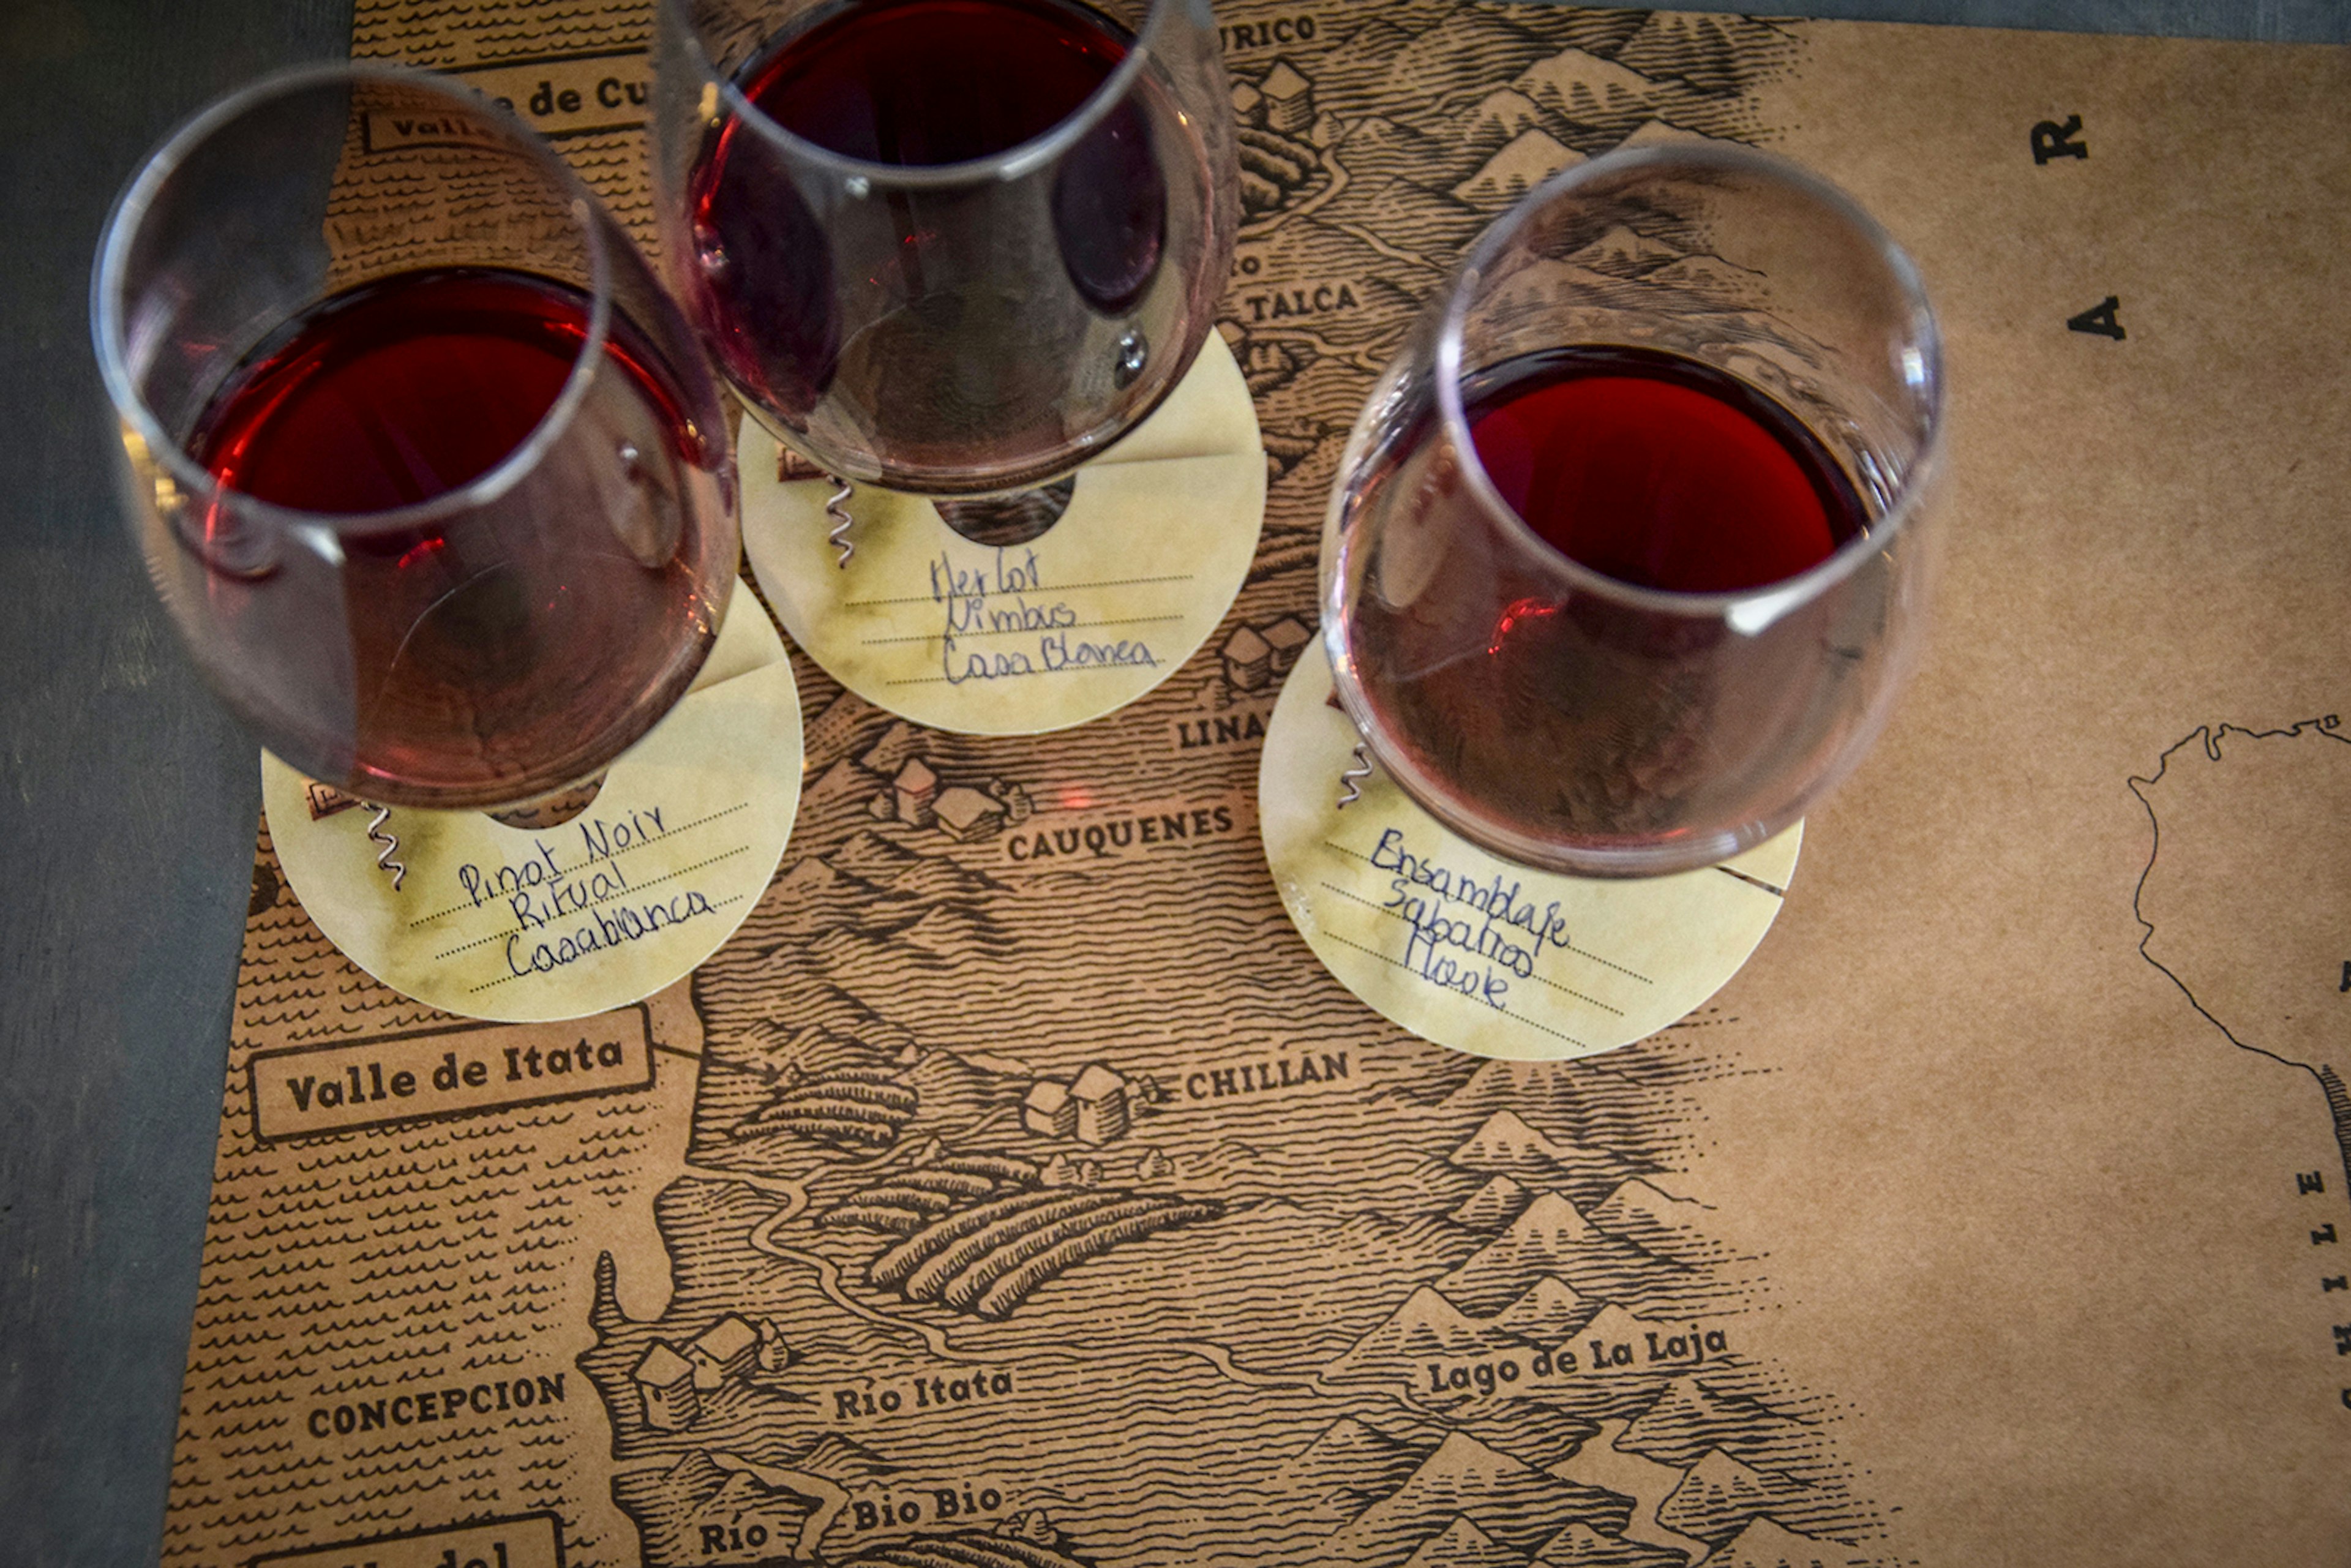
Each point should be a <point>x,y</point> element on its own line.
<point>1625,563</point>
<point>426,467</point>
<point>951,247</point>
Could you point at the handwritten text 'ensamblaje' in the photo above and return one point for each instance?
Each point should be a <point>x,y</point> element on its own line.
<point>540,891</point>
<point>1006,597</point>
<point>1447,911</point>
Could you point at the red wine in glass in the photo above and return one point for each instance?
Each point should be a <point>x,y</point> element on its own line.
<point>1624,573</point>
<point>926,84</point>
<point>1652,469</point>
<point>481,646</point>
<point>1658,470</point>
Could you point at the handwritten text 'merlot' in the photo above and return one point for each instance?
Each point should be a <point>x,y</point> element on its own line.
<point>1006,597</point>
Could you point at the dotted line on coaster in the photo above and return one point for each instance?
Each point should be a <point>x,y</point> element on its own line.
<point>1020,630</point>
<point>1055,587</point>
<point>597,903</point>
<point>568,871</point>
<point>1566,946</point>
<point>1554,985</point>
<point>1514,1017</point>
<point>502,979</point>
<point>1062,670</point>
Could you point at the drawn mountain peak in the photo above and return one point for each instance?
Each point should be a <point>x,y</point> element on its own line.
<point>1638,1196</point>
<point>1550,1309</point>
<point>814,877</point>
<point>1612,1324</point>
<point>1462,1544</point>
<point>1581,1546</point>
<point>1623,252</point>
<point>1711,274</point>
<point>873,858</point>
<point>1584,89</point>
<point>1350,1441</point>
<point>1722,1495</point>
<point>1463,1457</point>
<point>1656,1221</point>
<point>1550,1221</point>
<point>1713,54</point>
<point>1348,1467</point>
<point>1552,1236</point>
<point>1503,114</point>
<point>1378,145</point>
<point>1767,1543</point>
<point>1491,1207</point>
<point>1652,132</point>
<point>1505,1142</point>
<point>697,1475</point>
<point>892,749</point>
<point>1530,157</point>
<point>1512,1503</point>
<point>1427,1326</point>
<point>1688,1419</point>
<point>842,1459</point>
<point>947,932</point>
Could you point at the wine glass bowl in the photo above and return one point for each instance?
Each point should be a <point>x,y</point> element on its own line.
<point>1629,551</point>
<point>954,247</point>
<point>426,466</point>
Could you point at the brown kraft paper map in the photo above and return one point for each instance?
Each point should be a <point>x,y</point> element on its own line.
<point>1015,1189</point>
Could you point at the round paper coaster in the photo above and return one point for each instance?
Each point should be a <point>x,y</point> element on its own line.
<point>494,921</point>
<point>1475,952</point>
<point>1021,638</point>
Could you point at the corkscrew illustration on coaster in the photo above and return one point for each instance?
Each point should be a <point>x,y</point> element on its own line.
<point>836,506</point>
<point>1352,777</point>
<point>388,840</point>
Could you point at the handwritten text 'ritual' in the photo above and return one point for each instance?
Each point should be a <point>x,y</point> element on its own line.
<point>1463,928</point>
<point>562,913</point>
<point>1006,597</point>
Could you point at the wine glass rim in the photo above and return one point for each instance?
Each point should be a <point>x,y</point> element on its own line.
<point>123,223</point>
<point>1750,608</point>
<point>1014,162</point>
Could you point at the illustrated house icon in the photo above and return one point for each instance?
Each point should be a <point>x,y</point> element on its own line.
<point>916,786</point>
<point>666,1383</point>
<point>725,1351</point>
<point>1249,659</point>
<point>964,814</point>
<point>1286,637</point>
<point>1048,1111</point>
<point>1289,100</point>
<point>1100,1096</point>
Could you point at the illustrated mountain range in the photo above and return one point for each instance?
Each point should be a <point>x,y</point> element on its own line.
<point>1379,178</point>
<point>1386,1500</point>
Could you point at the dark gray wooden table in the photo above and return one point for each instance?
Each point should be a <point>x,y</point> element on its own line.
<point>128,799</point>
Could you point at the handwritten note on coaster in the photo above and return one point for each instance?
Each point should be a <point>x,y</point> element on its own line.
<point>1473,951</point>
<point>495,922</point>
<point>1021,638</point>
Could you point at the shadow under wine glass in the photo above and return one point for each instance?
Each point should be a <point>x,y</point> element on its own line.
<point>1629,552</point>
<point>950,247</point>
<point>427,469</point>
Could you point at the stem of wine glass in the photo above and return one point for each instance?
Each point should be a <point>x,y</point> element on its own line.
<point>1002,521</point>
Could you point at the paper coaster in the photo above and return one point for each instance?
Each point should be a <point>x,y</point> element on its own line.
<point>1473,951</point>
<point>496,922</point>
<point>1077,623</point>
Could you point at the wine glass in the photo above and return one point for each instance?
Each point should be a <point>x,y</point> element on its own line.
<point>953,247</point>
<point>425,466</point>
<point>1628,553</point>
